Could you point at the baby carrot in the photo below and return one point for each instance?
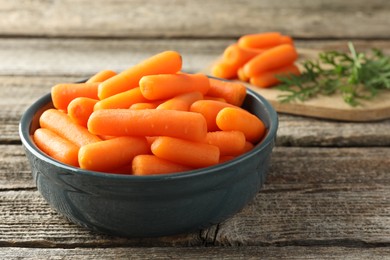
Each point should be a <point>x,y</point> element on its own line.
<point>55,146</point>
<point>225,158</point>
<point>79,109</point>
<point>241,75</point>
<point>63,94</point>
<point>233,92</point>
<point>146,164</point>
<point>111,154</point>
<point>228,142</point>
<point>230,119</point>
<point>181,102</point>
<point>273,58</point>
<point>238,56</point>
<point>163,63</point>
<point>286,39</point>
<point>121,100</point>
<point>143,105</point>
<point>61,124</point>
<point>101,76</point>
<point>248,146</point>
<point>260,40</point>
<point>188,153</point>
<point>148,122</point>
<point>165,86</point>
<point>224,70</point>
<point>209,109</point>
<point>269,78</point>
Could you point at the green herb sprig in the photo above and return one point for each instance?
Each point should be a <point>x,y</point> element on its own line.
<point>355,75</point>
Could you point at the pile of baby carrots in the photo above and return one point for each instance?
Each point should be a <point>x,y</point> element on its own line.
<point>148,119</point>
<point>258,59</point>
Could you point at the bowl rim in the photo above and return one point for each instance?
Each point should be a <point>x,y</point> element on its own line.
<point>27,117</point>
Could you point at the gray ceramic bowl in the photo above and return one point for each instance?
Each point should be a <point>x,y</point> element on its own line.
<point>146,206</point>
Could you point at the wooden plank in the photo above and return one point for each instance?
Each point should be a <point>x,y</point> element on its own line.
<point>202,18</point>
<point>84,57</point>
<point>313,196</point>
<point>250,252</point>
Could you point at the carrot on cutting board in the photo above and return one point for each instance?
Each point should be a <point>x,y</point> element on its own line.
<point>181,102</point>
<point>61,124</point>
<point>79,109</point>
<point>101,76</point>
<point>164,86</point>
<point>271,59</point>
<point>260,40</point>
<point>238,56</point>
<point>188,153</point>
<point>233,92</point>
<point>111,154</point>
<point>224,70</point>
<point>241,75</point>
<point>162,63</point>
<point>55,146</point>
<point>148,122</point>
<point>146,164</point>
<point>236,119</point>
<point>63,94</point>
<point>269,78</point>
<point>228,142</point>
<point>121,100</point>
<point>209,110</point>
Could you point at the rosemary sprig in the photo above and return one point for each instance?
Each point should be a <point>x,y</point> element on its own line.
<point>355,75</point>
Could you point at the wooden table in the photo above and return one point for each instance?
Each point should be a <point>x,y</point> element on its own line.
<point>328,190</point>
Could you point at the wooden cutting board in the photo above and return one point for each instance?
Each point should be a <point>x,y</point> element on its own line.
<point>329,107</point>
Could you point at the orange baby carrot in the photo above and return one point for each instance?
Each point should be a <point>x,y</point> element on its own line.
<point>248,146</point>
<point>273,58</point>
<point>230,119</point>
<point>286,39</point>
<point>61,124</point>
<point>233,92</point>
<point>241,75</point>
<point>209,109</point>
<point>79,109</point>
<point>269,78</point>
<point>163,63</point>
<point>55,146</point>
<point>260,40</point>
<point>111,154</point>
<point>148,122</point>
<point>143,105</point>
<point>228,142</point>
<point>63,94</point>
<point>214,98</point>
<point>101,76</point>
<point>224,70</point>
<point>188,153</point>
<point>181,102</point>
<point>238,56</point>
<point>165,86</point>
<point>225,158</point>
<point>121,100</point>
<point>146,164</point>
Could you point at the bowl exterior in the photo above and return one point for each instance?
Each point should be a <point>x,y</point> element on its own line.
<point>156,206</point>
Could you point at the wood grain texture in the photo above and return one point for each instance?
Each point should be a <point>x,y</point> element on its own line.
<point>249,252</point>
<point>313,196</point>
<point>172,18</point>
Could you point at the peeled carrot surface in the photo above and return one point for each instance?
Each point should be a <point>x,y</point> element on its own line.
<point>149,119</point>
<point>260,40</point>
<point>188,153</point>
<point>55,146</point>
<point>61,124</point>
<point>162,63</point>
<point>63,94</point>
<point>149,122</point>
<point>101,76</point>
<point>111,154</point>
<point>165,86</point>
<point>269,78</point>
<point>146,164</point>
